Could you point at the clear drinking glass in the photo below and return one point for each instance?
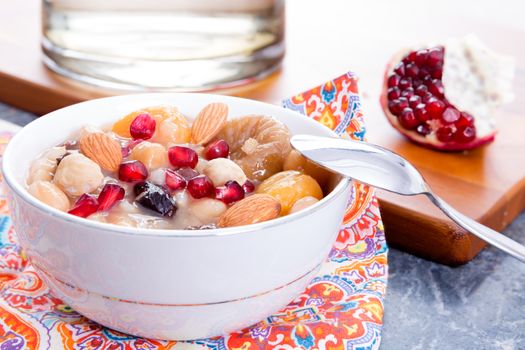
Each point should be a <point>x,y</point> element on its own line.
<point>163,44</point>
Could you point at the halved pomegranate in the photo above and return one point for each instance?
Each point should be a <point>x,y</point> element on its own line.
<point>444,97</point>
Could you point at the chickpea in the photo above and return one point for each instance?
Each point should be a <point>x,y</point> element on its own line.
<point>207,210</point>
<point>50,194</point>
<point>153,155</point>
<point>303,203</point>
<point>221,170</point>
<point>77,174</point>
<point>44,167</point>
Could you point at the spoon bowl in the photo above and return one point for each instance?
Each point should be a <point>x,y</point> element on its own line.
<point>378,167</point>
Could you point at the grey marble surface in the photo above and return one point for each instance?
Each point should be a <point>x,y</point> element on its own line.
<point>428,306</point>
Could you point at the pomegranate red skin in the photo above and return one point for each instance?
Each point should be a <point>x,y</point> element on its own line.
<point>412,135</point>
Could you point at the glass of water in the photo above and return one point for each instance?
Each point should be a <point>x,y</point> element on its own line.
<point>185,45</point>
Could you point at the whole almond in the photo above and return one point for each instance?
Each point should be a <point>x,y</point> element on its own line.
<point>251,210</point>
<point>209,122</point>
<point>102,149</point>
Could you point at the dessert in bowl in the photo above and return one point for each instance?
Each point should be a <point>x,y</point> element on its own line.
<point>154,277</point>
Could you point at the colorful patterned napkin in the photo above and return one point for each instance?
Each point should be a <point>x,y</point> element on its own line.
<point>342,308</point>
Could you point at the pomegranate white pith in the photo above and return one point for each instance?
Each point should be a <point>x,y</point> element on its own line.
<point>444,97</point>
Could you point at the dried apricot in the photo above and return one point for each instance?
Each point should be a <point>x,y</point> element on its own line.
<point>172,126</point>
<point>290,186</point>
<point>296,161</point>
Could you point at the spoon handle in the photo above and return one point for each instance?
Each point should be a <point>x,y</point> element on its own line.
<point>487,234</point>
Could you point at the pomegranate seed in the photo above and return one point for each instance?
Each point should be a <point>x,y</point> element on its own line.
<point>435,108</point>
<point>393,93</point>
<point>412,70</point>
<point>416,83</point>
<point>397,106</point>
<point>182,157</point>
<point>187,173</point>
<point>427,97</point>
<point>110,194</point>
<point>413,101</point>
<point>200,187</point>
<point>423,129</point>
<point>126,149</point>
<point>421,113</point>
<point>400,68</point>
<point>217,149</point>
<point>450,115</point>
<point>436,87</point>
<point>421,90</point>
<point>435,56</point>
<point>405,83</point>
<point>132,171</point>
<point>142,127</point>
<point>408,92</point>
<point>403,102</point>
<point>445,133</point>
<point>421,57</point>
<point>423,73</point>
<point>465,134</point>
<point>174,180</point>
<point>412,56</point>
<point>230,192</point>
<point>84,206</point>
<point>465,120</point>
<point>437,73</point>
<point>393,80</point>
<point>407,119</point>
<point>248,187</point>
<point>393,107</point>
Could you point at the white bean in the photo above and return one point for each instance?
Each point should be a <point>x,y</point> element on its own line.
<point>207,210</point>
<point>43,168</point>
<point>50,194</point>
<point>221,170</point>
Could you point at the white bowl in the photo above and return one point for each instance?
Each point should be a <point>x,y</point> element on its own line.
<point>168,284</point>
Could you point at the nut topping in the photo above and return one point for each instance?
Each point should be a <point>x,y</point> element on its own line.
<point>251,210</point>
<point>209,122</point>
<point>102,149</point>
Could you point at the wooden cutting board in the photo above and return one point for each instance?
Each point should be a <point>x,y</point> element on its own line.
<point>322,42</point>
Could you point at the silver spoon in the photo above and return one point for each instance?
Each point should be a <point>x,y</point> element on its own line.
<point>381,168</point>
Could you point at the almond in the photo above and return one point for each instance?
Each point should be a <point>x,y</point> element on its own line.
<point>102,149</point>
<point>251,210</point>
<point>209,122</point>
